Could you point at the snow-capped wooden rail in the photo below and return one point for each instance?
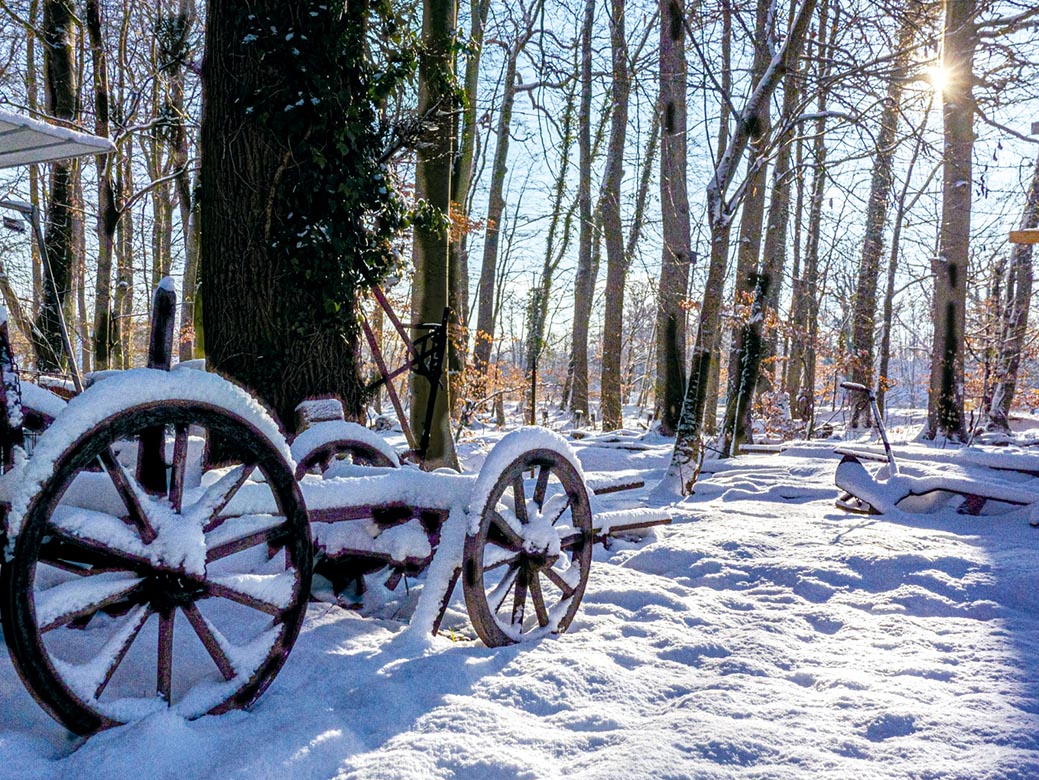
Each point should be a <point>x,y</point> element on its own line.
<point>956,473</point>
<point>1025,236</point>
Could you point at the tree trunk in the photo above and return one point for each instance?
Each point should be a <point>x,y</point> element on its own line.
<point>736,427</point>
<point>901,209</point>
<point>616,261</point>
<point>1018,297</point>
<point>686,457</point>
<point>773,253</point>
<point>266,329</point>
<point>945,399</point>
<point>107,213</point>
<point>805,305</point>
<point>864,304</point>
<point>431,250</point>
<point>495,209</point>
<point>461,184</point>
<point>60,71</point>
<point>554,250</point>
<point>677,257</point>
<point>584,283</point>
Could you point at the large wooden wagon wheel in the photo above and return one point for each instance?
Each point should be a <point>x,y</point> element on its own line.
<point>328,444</point>
<point>526,565</point>
<point>121,599</point>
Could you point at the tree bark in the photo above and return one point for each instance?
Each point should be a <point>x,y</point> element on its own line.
<point>461,184</point>
<point>265,329</point>
<point>60,71</point>
<point>945,399</point>
<point>1018,298</point>
<point>676,259</point>
<point>616,260</point>
<point>584,283</point>
<point>864,304</point>
<point>431,245</point>
<point>107,213</point>
<point>686,457</point>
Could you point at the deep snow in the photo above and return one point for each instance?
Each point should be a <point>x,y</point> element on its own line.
<point>765,634</point>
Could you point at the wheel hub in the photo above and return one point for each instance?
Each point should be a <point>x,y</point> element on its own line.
<point>167,591</point>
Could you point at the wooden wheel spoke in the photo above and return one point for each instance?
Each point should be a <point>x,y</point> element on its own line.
<point>221,591</point>
<point>559,582</point>
<point>519,599</point>
<point>121,643</point>
<point>226,548</point>
<point>538,597</point>
<point>113,557</point>
<point>500,533</point>
<point>544,472</point>
<point>180,462</point>
<point>213,646</point>
<point>564,504</point>
<point>130,492</point>
<point>500,592</point>
<point>164,664</point>
<point>571,540</point>
<point>51,614</point>
<point>519,499</point>
<point>207,509</point>
<point>510,560</point>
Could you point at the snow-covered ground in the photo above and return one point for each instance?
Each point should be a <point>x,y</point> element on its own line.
<point>765,634</point>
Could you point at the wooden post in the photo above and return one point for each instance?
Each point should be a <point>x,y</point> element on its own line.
<point>151,456</point>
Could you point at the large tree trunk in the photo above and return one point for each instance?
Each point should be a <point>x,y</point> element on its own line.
<point>1018,297</point>
<point>676,260</point>
<point>864,304</point>
<point>613,318</point>
<point>60,71</point>
<point>584,283</point>
<point>265,328</point>
<point>945,399</point>
<point>431,246</point>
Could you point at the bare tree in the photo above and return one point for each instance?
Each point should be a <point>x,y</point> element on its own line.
<point>616,259</point>
<point>684,467</point>
<point>676,259</point>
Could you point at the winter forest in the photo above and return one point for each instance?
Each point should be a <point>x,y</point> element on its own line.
<point>722,253</point>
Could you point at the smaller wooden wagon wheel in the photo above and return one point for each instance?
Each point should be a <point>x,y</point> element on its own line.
<point>121,599</point>
<point>526,565</point>
<point>325,444</point>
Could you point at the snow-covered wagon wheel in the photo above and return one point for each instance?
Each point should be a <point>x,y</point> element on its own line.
<point>119,600</point>
<point>324,446</point>
<point>526,564</point>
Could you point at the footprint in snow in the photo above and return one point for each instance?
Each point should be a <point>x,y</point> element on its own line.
<point>888,726</point>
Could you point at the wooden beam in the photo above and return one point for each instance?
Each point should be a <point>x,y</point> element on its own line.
<point>1027,236</point>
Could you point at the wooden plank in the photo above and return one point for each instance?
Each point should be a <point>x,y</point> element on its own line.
<point>1027,236</point>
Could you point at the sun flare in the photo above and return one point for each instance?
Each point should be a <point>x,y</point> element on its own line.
<point>938,76</point>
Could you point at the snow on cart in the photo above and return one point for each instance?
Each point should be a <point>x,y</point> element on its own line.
<point>142,573</point>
